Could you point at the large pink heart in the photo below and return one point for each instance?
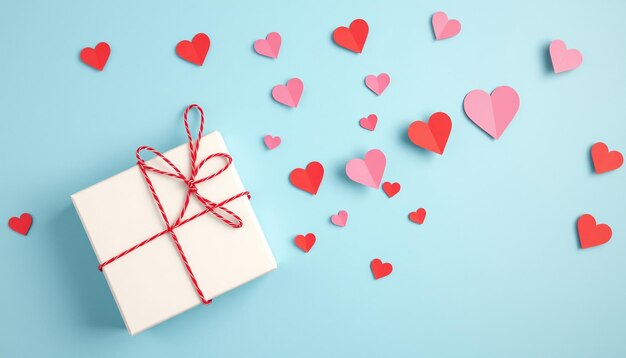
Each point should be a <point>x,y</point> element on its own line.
<point>290,94</point>
<point>562,58</point>
<point>492,113</point>
<point>377,83</point>
<point>268,47</point>
<point>368,171</point>
<point>444,28</point>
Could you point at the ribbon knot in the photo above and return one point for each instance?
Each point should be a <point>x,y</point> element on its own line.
<point>218,210</point>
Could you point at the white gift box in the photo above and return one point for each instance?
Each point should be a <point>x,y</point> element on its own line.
<point>151,284</point>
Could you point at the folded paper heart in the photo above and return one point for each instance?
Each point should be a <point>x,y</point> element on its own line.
<point>270,46</point>
<point>564,59</point>
<point>289,94</point>
<point>492,113</point>
<point>340,219</point>
<point>96,57</point>
<point>391,189</point>
<point>194,51</point>
<point>352,38</point>
<point>271,142</point>
<point>22,224</point>
<point>308,179</point>
<point>369,122</point>
<point>444,28</point>
<point>605,160</point>
<point>433,135</point>
<point>590,234</point>
<point>377,84</point>
<point>305,242</point>
<point>418,216</point>
<point>368,171</point>
<point>380,269</point>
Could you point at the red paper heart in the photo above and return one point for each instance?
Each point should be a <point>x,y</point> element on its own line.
<point>391,189</point>
<point>22,224</point>
<point>603,160</point>
<point>352,38</point>
<point>380,269</point>
<point>308,179</point>
<point>418,216</point>
<point>305,242</point>
<point>433,135</point>
<point>96,57</point>
<point>369,122</point>
<point>590,234</point>
<point>195,50</point>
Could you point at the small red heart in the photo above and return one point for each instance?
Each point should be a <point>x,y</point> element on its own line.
<point>380,269</point>
<point>22,224</point>
<point>369,122</point>
<point>305,242</point>
<point>603,160</point>
<point>96,57</point>
<point>352,38</point>
<point>195,50</point>
<point>433,135</point>
<point>391,189</point>
<point>590,234</point>
<point>308,179</point>
<point>418,216</point>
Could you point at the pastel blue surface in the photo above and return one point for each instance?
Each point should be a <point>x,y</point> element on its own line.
<point>495,271</point>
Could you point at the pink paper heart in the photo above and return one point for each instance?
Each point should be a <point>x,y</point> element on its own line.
<point>290,94</point>
<point>444,28</point>
<point>340,219</point>
<point>271,142</point>
<point>564,59</point>
<point>368,172</point>
<point>369,123</point>
<point>492,113</point>
<point>270,46</point>
<point>377,83</point>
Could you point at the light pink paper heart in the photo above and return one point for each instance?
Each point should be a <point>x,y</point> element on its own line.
<point>270,46</point>
<point>369,122</point>
<point>340,219</point>
<point>444,28</point>
<point>290,94</point>
<point>492,113</point>
<point>564,59</point>
<point>271,142</point>
<point>369,171</point>
<point>377,83</point>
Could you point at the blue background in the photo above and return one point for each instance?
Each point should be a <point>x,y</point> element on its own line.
<point>496,269</point>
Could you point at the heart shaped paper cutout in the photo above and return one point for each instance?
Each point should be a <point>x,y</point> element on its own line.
<point>368,171</point>
<point>492,113</point>
<point>96,57</point>
<point>391,189</point>
<point>590,234</point>
<point>271,142</point>
<point>289,94</point>
<point>195,50</point>
<point>418,216</point>
<point>377,84</point>
<point>305,242</point>
<point>22,224</point>
<point>605,160</point>
<point>564,59</point>
<point>444,28</point>
<point>380,269</point>
<point>308,179</point>
<point>369,122</point>
<point>340,219</point>
<point>352,38</point>
<point>270,46</point>
<point>433,135</point>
